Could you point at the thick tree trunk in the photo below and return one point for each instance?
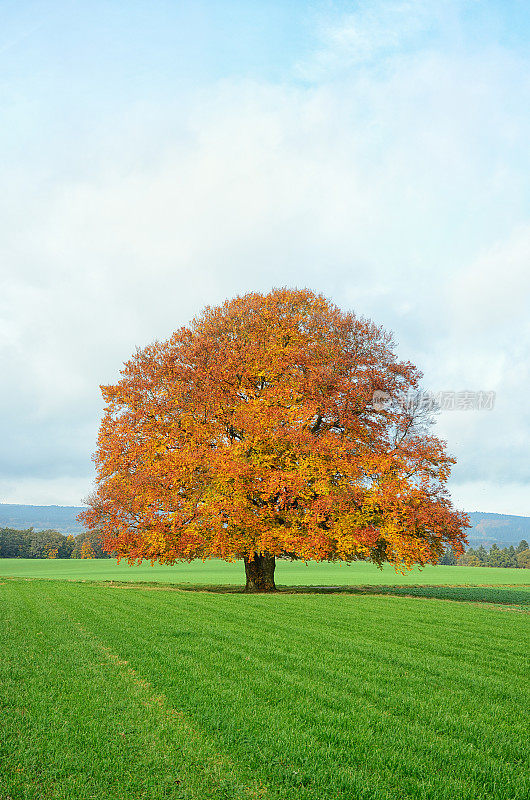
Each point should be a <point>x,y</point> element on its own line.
<point>260,573</point>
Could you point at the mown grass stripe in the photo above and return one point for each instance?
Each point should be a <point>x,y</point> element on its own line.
<point>324,696</point>
<point>261,667</point>
<point>82,701</point>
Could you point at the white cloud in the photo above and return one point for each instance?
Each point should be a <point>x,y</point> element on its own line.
<point>511,498</point>
<point>499,283</point>
<point>61,491</point>
<point>373,31</point>
<point>397,192</point>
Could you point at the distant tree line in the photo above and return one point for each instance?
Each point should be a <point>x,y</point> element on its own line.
<point>49,544</point>
<point>52,544</point>
<point>518,557</point>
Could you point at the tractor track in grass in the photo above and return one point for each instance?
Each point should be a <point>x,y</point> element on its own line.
<point>204,771</point>
<point>156,702</point>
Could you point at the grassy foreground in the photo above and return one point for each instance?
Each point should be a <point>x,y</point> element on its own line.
<point>288,573</point>
<point>122,692</point>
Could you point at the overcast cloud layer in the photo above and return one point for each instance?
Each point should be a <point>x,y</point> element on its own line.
<point>158,162</point>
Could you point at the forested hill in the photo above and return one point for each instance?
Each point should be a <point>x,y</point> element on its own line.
<point>500,529</point>
<point>57,518</point>
<point>488,529</point>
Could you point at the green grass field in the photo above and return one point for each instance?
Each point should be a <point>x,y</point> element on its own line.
<point>123,691</point>
<point>288,573</point>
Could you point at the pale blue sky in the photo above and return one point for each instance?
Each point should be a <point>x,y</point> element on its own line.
<point>160,156</point>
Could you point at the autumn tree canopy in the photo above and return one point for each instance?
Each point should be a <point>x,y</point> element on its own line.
<point>253,434</point>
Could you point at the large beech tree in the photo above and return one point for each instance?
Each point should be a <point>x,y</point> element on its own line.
<point>253,434</point>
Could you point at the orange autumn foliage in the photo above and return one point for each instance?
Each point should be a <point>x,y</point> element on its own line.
<point>87,550</point>
<point>254,431</point>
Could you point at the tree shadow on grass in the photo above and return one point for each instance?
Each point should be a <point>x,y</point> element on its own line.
<point>473,594</point>
<point>519,596</point>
